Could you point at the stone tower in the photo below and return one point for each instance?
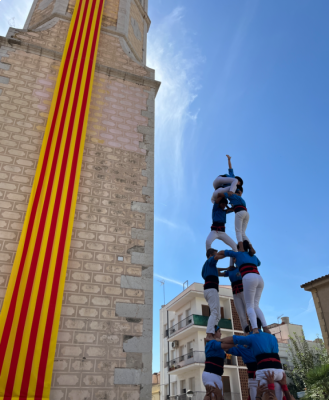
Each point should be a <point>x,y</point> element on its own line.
<point>104,343</point>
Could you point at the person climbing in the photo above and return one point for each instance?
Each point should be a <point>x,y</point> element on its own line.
<point>266,351</point>
<point>241,215</point>
<point>252,281</point>
<point>219,212</point>
<point>214,364</point>
<point>227,182</point>
<point>234,275</point>
<point>210,275</point>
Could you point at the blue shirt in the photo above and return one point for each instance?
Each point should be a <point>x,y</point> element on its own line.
<point>218,215</point>
<point>235,200</point>
<point>245,352</point>
<point>259,343</point>
<point>214,349</point>
<point>234,275</point>
<point>242,258</point>
<point>229,175</point>
<point>209,268</point>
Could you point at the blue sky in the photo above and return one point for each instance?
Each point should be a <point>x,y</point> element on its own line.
<point>247,78</point>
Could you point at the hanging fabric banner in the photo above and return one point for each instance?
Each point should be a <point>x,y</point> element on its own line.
<point>30,314</point>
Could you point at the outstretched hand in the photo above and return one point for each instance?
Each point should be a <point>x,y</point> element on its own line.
<point>229,157</point>
<point>283,380</point>
<point>269,376</point>
<point>261,389</point>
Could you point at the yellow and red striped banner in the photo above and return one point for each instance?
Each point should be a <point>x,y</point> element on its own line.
<point>30,314</point>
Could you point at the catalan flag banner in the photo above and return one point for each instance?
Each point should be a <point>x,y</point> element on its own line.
<point>30,315</point>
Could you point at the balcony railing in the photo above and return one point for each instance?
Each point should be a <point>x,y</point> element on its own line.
<point>193,357</point>
<point>201,395</point>
<point>195,319</point>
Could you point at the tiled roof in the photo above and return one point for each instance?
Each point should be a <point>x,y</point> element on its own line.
<point>315,280</point>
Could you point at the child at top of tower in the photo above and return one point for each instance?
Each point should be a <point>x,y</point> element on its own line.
<point>227,182</point>
<point>219,212</point>
<point>241,215</point>
<point>210,275</point>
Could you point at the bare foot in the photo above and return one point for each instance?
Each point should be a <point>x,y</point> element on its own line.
<point>266,330</point>
<point>255,330</point>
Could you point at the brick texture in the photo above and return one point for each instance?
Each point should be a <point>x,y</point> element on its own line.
<point>105,329</point>
<point>136,30</point>
<point>243,374</point>
<point>236,320</point>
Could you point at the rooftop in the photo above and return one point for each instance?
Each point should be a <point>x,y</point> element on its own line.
<point>315,282</point>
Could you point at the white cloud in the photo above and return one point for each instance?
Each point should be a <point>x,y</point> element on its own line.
<point>168,279</point>
<point>174,58</point>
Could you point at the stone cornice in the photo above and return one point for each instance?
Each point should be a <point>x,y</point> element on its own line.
<point>55,55</point>
<point>144,14</point>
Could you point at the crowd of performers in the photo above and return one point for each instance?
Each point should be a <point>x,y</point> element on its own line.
<point>257,347</point>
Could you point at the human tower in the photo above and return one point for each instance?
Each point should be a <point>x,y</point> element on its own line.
<point>258,347</point>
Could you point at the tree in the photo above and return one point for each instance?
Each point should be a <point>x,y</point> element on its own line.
<point>317,383</point>
<point>304,359</point>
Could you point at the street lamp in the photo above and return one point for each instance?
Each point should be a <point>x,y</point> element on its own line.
<point>189,394</point>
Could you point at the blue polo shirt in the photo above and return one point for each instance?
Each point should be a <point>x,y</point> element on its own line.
<point>218,215</point>
<point>214,349</point>
<point>259,343</point>
<point>235,200</point>
<point>234,275</point>
<point>229,175</point>
<point>209,268</point>
<point>242,258</point>
<point>245,352</point>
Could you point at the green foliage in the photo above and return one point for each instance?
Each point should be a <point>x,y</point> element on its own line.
<point>311,364</point>
<point>318,383</point>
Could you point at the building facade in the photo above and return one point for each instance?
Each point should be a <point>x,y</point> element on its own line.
<point>104,344</point>
<point>320,292</point>
<point>183,324</point>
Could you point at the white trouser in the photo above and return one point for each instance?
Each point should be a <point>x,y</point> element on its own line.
<point>241,223</point>
<point>253,286</point>
<point>278,375</point>
<point>252,385</point>
<point>212,297</point>
<point>224,238</point>
<point>223,181</point>
<point>210,379</point>
<point>240,306</point>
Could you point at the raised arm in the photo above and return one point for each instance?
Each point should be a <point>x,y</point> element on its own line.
<point>229,161</point>
<point>226,346</point>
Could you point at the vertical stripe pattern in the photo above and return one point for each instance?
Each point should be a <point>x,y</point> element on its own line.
<point>30,314</point>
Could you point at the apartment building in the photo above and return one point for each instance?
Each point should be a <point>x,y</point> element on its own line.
<point>183,324</point>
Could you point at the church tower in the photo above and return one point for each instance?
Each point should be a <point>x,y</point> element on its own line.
<point>76,202</point>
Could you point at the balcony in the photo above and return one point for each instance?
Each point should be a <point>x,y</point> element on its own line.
<point>195,320</point>
<point>193,357</point>
<point>201,395</point>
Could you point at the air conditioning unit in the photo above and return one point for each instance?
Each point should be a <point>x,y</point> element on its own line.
<point>174,344</point>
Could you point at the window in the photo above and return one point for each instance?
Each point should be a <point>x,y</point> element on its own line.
<point>165,360</point>
<point>180,325</point>
<point>191,384</point>
<point>222,312</point>
<point>189,347</point>
<point>172,323</point>
<point>173,388</point>
<point>187,313</point>
<point>205,311</point>
<point>183,386</point>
